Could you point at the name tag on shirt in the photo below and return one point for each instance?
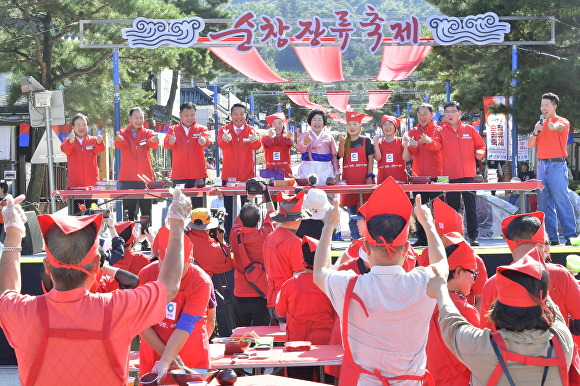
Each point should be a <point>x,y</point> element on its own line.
<point>195,135</point>
<point>390,157</point>
<point>466,136</point>
<point>246,140</point>
<point>89,147</point>
<point>353,157</point>
<point>171,311</point>
<point>143,142</point>
<point>276,156</point>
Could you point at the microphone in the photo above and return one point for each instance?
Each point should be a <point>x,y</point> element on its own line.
<point>541,122</point>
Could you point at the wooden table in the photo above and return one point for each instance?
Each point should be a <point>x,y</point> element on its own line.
<point>273,331</point>
<point>319,355</point>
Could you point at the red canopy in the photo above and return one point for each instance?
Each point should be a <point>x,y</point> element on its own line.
<point>399,61</point>
<point>323,64</point>
<point>301,98</point>
<point>338,99</point>
<point>378,98</point>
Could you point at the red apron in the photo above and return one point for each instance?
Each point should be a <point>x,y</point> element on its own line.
<point>391,162</point>
<point>350,371</point>
<point>559,361</point>
<point>195,351</point>
<point>80,335</point>
<point>354,171</point>
<point>278,155</point>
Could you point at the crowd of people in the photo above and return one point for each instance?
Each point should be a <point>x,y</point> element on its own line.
<point>515,327</point>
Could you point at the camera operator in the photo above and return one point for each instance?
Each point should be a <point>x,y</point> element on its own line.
<point>213,256</point>
<point>246,240</point>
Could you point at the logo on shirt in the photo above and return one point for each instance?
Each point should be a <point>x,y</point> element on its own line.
<point>171,310</point>
<point>390,157</point>
<point>276,156</point>
<point>353,157</point>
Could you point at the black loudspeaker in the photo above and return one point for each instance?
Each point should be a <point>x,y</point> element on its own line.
<point>32,242</point>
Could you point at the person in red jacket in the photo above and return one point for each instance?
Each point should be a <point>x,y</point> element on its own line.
<point>277,144</point>
<point>357,166</point>
<point>187,141</point>
<point>425,147</point>
<point>238,141</point>
<point>247,240</point>
<point>308,311</point>
<point>81,151</point>
<point>461,144</point>
<point>446,369</point>
<point>134,141</point>
<point>391,152</point>
<point>282,248</point>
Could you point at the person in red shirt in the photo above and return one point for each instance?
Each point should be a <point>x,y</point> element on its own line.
<point>391,152</point>
<point>213,256</point>
<point>81,151</point>
<point>461,144</point>
<point>68,325</point>
<point>134,142</point>
<point>181,338</point>
<point>446,369</point>
<point>282,248</point>
<point>238,142</point>
<point>3,193</point>
<point>308,311</point>
<point>132,261</point>
<point>551,136</point>
<point>425,147</point>
<point>277,144</point>
<point>247,239</point>
<point>357,166</point>
<point>187,141</point>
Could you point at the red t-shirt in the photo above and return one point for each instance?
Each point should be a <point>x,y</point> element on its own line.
<point>132,262</point>
<point>210,255</point>
<point>552,143</point>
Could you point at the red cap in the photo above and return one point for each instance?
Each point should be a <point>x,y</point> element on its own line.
<point>390,118</point>
<point>290,208</point>
<point>464,256</point>
<point>312,243</point>
<point>446,218</point>
<point>70,224</point>
<point>270,118</point>
<point>162,239</point>
<point>513,294</point>
<point>122,226</point>
<point>538,237</point>
<point>389,198</point>
<point>352,116</point>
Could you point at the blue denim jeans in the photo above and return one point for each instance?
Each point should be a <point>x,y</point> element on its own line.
<point>354,235</point>
<point>553,199</point>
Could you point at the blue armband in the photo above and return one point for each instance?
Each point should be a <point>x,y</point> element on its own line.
<point>187,322</point>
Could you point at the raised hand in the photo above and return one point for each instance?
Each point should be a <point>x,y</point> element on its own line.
<point>271,132</point>
<point>227,137</point>
<point>288,134</point>
<point>99,139</point>
<point>253,137</point>
<point>202,141</point>
<point>172,139</point>
<point>307,139</point>
<point>155,139</point>
<point>341,138</point>
<point>425,139</point>
<point>332,216</point>
<point>118,137</point>
<point>71,137</point>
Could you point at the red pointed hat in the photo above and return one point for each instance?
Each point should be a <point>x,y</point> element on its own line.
<point>538,237</point>
<point>270,118</point>
<point>389,118</point>
<point>121,226</point>
<point>513,294</point>
<point>70,224</point>
<point>312,243</point>
<point>162,240</point>
<point>290,208</point>
<point>464,256</point>
<point>353,116</point>
<point>389,198</point>
<point>446,218</point>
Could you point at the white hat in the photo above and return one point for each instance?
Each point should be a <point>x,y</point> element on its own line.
<point>317,201</point>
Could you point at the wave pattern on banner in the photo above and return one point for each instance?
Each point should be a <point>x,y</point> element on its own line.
<point>478,29</point>
<point>152,33</point>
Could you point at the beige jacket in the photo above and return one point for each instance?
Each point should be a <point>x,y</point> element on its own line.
<point>472,346</point>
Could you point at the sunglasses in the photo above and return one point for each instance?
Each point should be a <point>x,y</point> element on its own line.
<point>474,273</point>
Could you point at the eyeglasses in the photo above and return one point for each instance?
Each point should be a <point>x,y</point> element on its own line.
<point>474,273</point>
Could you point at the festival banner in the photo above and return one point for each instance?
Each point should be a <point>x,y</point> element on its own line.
<point>496,126</point>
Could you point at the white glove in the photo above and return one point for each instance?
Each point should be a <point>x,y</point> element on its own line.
<point>180,208</point>
<point>160,368</point>
<point>13,214</point>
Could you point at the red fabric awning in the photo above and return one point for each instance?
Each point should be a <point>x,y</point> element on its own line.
<point>301,98</point>
<point>323,64</point>
<point>250,63</point>
<point>366,119</point>
<point>378,98</point>
<point>399,61</point>
<point>338,99</point>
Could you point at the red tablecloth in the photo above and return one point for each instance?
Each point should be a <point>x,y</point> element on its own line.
<point>269,380</point>
<point>273,331</point>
